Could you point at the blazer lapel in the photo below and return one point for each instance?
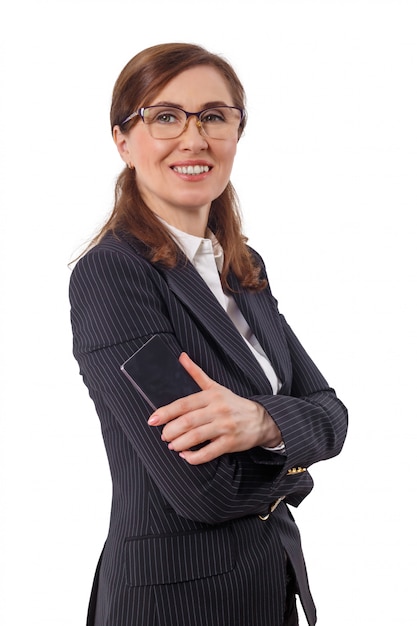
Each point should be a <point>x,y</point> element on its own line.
<point>261,314</point>
<point>186,283</point>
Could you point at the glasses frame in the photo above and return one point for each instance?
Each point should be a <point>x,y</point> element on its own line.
<point>141,113</point>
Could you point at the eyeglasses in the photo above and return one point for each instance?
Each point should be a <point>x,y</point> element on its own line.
<point>169,122</point>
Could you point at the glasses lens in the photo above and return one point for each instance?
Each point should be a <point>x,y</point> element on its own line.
<point>169,122</point>
<point>221,122</point>
<point>165,122</point>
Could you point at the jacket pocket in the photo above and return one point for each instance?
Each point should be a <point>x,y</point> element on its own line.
<point>164,559</point>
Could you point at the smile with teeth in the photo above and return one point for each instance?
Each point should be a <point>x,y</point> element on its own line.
<point>191,169</point>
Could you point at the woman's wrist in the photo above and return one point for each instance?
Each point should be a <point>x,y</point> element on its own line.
<point>271,436</point>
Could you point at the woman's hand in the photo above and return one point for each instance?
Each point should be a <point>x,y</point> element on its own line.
<point>215,415</point>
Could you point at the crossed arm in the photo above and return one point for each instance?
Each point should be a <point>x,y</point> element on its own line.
<point>227,421</point>
<point>110,286</point>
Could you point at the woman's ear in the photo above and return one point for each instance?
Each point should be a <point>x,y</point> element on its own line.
<point>120,139</point>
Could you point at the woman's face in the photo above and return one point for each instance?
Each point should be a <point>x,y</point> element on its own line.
<point>182,199</point>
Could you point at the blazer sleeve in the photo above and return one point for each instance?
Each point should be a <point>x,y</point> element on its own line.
<point>312,419</point>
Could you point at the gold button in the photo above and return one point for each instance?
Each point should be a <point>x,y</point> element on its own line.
<point>296,470</point>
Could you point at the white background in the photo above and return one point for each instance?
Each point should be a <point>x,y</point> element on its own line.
<point>326,174</point>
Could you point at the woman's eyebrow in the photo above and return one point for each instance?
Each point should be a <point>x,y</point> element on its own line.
<point>207,105</point>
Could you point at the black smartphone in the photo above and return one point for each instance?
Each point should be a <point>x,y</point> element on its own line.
<point>157,374</point>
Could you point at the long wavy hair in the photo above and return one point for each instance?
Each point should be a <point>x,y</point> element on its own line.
<point>144,76</point>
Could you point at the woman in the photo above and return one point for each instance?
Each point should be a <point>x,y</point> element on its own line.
<point>200,531</point>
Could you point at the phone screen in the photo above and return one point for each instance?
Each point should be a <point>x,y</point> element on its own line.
<point>157,374</point>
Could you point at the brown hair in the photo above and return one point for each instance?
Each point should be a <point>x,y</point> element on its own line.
<point>145,75</point>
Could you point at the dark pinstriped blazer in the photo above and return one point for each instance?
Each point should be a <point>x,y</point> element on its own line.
<point>186,545</point>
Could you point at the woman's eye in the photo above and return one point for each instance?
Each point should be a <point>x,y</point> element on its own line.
<point>211,117</point>
<point>167,117</point>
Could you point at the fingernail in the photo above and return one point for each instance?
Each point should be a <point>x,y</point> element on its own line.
<point>153,420</point>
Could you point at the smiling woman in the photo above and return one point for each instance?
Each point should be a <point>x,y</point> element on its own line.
<point>181,164</point>
<point>200,530</point>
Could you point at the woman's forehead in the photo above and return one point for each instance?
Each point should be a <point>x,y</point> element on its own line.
<point>199,85</point>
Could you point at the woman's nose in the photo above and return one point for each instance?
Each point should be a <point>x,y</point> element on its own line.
<point>193,133</point>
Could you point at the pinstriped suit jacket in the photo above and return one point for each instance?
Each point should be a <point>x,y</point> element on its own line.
<point>185,545</point>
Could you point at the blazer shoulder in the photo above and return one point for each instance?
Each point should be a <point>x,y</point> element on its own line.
<point>112,255</point>
<point>115,295</point>
<point>113,244</point>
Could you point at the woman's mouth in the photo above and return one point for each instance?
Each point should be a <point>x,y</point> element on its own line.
<point>192,170</point>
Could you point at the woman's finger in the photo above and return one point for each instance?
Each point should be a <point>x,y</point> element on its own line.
<point>200,377</point>
<point>212,450</point>
<point>169,412</point>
